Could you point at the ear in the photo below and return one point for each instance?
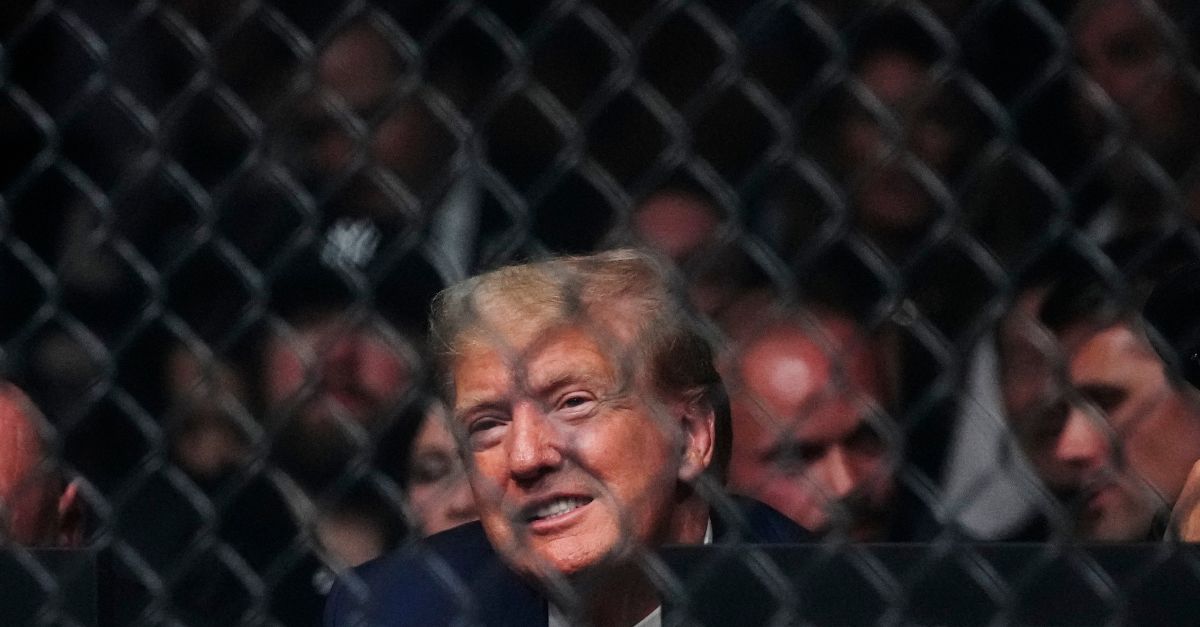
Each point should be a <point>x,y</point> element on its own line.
<point>698,427</point>
<point>70,517</point>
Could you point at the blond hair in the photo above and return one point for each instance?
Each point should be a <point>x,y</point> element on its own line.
<point>627,294</point>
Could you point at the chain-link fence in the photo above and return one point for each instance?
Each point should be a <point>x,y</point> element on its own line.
<point>223,224</point>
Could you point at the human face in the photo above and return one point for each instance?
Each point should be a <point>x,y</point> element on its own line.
<point>574,462</point>
<point>1031,390</point>
<point>437,482</point>
<point>1119,47</point>
<point>335,370</point>
<point>1126,452</point>
<point>803,443</point>
<point>889,197</point>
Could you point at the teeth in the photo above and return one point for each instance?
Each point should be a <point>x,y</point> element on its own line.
<point>558,507</point>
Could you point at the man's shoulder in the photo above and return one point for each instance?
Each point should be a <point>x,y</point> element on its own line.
<point>742,519</point>
<point>461,549</point>
<point>434,581</point>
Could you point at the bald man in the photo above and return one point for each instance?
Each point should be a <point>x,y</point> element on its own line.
<point>38,508</point>
<point>809,435</point>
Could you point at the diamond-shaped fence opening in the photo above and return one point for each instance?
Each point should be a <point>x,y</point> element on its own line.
<point>223,226</point>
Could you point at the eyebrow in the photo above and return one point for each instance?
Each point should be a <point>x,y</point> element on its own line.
<point>1103,395</point>
<point>460,415</point>
<point>561,380</point>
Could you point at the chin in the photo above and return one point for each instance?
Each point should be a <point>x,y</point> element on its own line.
<point>582,556</point>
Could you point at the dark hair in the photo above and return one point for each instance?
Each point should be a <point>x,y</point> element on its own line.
<point>1172,314</point>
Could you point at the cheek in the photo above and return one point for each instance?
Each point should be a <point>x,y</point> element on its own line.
<point>862,139</point>
<point>333,151</point>
<point>873,475</point>
<point>424,501</point>
<point>383,373</point>
<point>285,374</point>
<point>1161,451</point>
<point>487,477</point>
<point>793,497</point>
<point>625,450</point>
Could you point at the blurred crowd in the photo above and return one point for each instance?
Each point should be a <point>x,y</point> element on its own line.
<point>944,247</point>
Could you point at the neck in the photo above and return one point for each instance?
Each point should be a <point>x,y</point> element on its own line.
<point>620,595</point>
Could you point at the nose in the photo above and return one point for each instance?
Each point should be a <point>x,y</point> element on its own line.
<point>534,446</point>
<point>460,502</point>
<point>838,473</point>
<point>1083,442</point>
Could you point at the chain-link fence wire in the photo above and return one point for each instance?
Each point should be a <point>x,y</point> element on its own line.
<point>223,224</point>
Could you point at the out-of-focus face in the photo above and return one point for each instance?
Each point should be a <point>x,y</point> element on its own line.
<point>676,223</point>
<point>1122,51</point>
<point>360,70</point>
<point>1126,452</point>
<point>1031,389</point>
<point>34,506</point>
<point>331,371</point>
<point>889,197</point>
<point>802,439</point>
<point>573,462</point>
<point>437,481</point>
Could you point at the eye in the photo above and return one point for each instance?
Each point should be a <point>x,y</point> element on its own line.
<point>430,468</point>
<point>794,456</point>
<point>483,423</point>
<point>485,431</point>
<point>575,402</point>
<point>1107,399</point>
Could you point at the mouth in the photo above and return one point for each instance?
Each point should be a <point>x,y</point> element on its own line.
<point>554,509</point>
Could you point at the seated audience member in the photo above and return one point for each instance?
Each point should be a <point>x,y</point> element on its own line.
<point>810,434</point>
<point>437,481</point>
<point>1173,314</point>
<point>1118,449</point>
<point>593,426</point>
<point>686,225</point>
<point>332,380</point>
<point>38,507</point>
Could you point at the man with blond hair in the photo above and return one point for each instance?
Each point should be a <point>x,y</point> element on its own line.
<point>595,429</point>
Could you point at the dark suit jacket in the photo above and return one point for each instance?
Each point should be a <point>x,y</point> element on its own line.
<point>455,577</point>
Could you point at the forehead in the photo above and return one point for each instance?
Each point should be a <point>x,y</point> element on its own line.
<point>1101,21</point>
<point>792,367</point>
<point>490,366</point>
<point>811,389</point>
<point>1110,354</point>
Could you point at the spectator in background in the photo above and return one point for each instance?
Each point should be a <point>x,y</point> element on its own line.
<point>38,505</point>
<point>1135,65</point>
<point>685,224</point>
<point>438,490</point>
<point>337,385</point>
<point>811,434</point>
<point>207,441</point>
<point>371,147</point>
<point>1117,446</point>
<point>328,384</point>
<point>901,142</point>
<point>1172,314</point>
